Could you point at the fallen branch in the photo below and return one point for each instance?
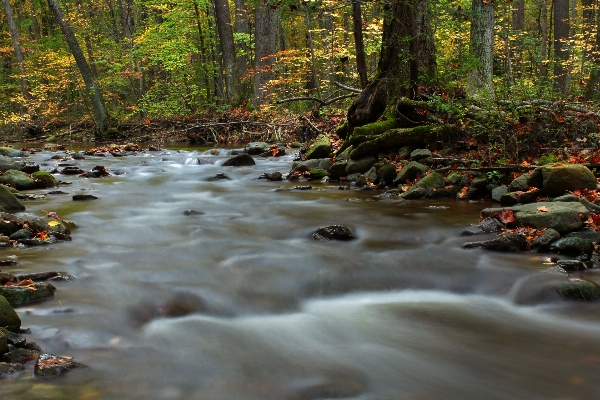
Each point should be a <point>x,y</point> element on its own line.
<point>322,103</point>
<point>311,124</point>
<point>350,89</point>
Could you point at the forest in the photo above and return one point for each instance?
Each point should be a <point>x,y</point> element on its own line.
<point>102,66</point>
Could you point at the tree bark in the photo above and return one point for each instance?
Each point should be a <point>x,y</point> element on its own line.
<point>16,41</point>
<point>225,30</point>
<point>591,18</point>
<point>101,117</point>
<point>265,48</point>
<point>361,63</point>
<point>561,47</point>
<point>518,15</point>
<point>242,25</point>
<point>481,46</point>
<point>543,38</point>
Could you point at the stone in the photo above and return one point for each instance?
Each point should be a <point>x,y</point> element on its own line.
<point>567,198</point>
<point>486,225</point>
<point>180,304</point>
<point>256,148</point>
<point>71,170</point>
<point>305,166</point>
<point>572,265</point>
<point>240,160</point>
<point>12,338</point>
<point>591,207</point>
<point>387,174</point>
<point>543,242</point>
<point>9,319</point>
<point>414,193</point>
<point>44,179</point>
<point>588,233</point>
<point>45,276</point>
<point>21,234</point>
<point>8,163</point>
<point>479,183</point>
<point>519,184</point>
<point>498,192</point>
<point>338,169</point>
<point>84,197</point>
<point>8,201</point>
<point>49,364</point>
<point>272,176</point>
<point>574,246</point>
<point>317,174</point>
<point>360,166</point>
<point>17,179</point>
<point>529,196</point>
<point>218,177</point>
<point>30,168</point>
<point>8,368</point>
<point>410,172</point>
<point>420,154</point>
<point>507,242</point>
<point>404,152</point>
<point>18,295</point>
<point>509,199</point>
<point>333,232</point>
<point>557,179</point>
<point>320,148</point>
<point>426,185</point>
<point>579,290</point>
<point>19,356</point>
<point>345,154</point>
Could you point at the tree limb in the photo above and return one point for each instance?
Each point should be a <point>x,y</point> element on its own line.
<point>351,89</point>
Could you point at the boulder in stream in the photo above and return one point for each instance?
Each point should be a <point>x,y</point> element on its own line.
<point>240,160</point>
<point>44,179</point>
<point>9,319</point>
<point>321,148</point>
<point>504,242</point>
<point>558,179</point>
<point>333,232</point>
<point>7,163</point>
<point>49,364</point>
<point>18,295</point>
<point>579,290</point>
<point>8,201</point>
<point>17,179</point>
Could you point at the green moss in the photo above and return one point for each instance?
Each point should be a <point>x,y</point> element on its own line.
<point>376,128</point>
<point>547,159</point>
<point>318,174</point>
<point>343,129</point>
<point>44,179</point>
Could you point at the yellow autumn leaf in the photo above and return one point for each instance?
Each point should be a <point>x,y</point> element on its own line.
<point>53,223</point>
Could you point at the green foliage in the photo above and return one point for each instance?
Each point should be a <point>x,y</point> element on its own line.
<point>547,159</point>
<point>493,177</point>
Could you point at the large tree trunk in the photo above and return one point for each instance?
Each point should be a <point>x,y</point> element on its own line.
<point>242,25</point>
<point>265,48</point>
<point>543,38</point>
<point>361,63</point>
<point>16,41</point>
<point>100,115</point>
<point>561,47</point>
<point>481,46</point>
<point>227,51</point>
<point>591,17</point>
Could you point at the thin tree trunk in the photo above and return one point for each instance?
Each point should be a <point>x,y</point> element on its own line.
<point>225,31</point>
<point>242,25</point>
<point>591,89</point>
<point>100,114</point>
<point>265,47</point>
<point>16,41</point>
<point>204,55</point>
<point>561,46</point>
<point>361,63</point>
<point>543,38</point>
<point>480,83</point>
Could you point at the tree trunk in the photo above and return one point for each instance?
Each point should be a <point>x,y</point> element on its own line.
<point>543,38</point>
<point>481,46</point>
<point>242,25</point>
<point>518,15</point>
<point>561,46</point>
<point>225,30</point>
<point>16,41</point>
<point>361,63</point>
<point>100,115</point>
<point>592,86</point>
<point>265,48</point>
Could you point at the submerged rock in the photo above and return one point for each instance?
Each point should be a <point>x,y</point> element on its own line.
<point>12,338</point>
<point>9,319</point>
<point>574,246</point>
<point>579,290</point>
<point>8,368</point>
<point>49,364</point>
<point>19,355</point>
<point>8,201</point>
<point>84,197</point>
<point>18,295</point>
<point>333,232</point>
<point>486,225</point>
<point>240,160</point>
<point>505,242</point>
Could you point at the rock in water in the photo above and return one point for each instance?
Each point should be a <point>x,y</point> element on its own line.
<point>579,289</point>
<point>49,364</point>
<point>17,295</point>
<point>333,232</point>
<point>239,161</point>
<point>8,317</point>
<point>9,201</point>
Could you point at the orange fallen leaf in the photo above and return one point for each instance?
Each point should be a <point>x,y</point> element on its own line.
<point>542,209</point>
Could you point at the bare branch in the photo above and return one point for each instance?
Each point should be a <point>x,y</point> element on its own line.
<point>351,89</point>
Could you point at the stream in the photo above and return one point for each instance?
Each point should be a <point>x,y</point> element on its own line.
<point>402,312</point>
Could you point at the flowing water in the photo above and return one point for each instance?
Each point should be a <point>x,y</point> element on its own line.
<point>402,312</point>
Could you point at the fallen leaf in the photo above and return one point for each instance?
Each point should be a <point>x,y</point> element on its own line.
<point>507,217</point>
<point>542,209</point>
<point>53,223</point>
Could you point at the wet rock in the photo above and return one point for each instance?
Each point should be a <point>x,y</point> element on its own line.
<point>7,368</point>
<point>10,152</point>
<point>193,212</point>
<point>414,193</point>
<point>272,176</point>
<point>543,242</point>
<point>562,217</point>
<point>9,319</point>
<point>18,295</point>
<point>19,356</point>
<point>7,277</point>
<point>33,346</point>
<point>240,161</point>
<point>519,184</point>
<point>420,154</point>
<point>321,148</point>
<point>17,179</point>
<point>579,290</point>
<point>47,276</point>
<point>12,338</point>
<point>333,232</point>
<point>318,174</point>
<point>9,202</point>
<point>8,163</point>
<point>389,194</point>
<point>574,246</point>
<point>572,265</point>
<point>530,196</point>
<point>360,181</point>
<point>566,198</point>
<point>508,199</point>
<point>591,207</point>
<point>4,347</point>
<point>44,179</point>
<point>387,174</point>
<point>21,234</point>
<point>49,364</point>
<point>425,185</point>
<point>218,177</point>
<point>410,172</point>
<point>506,242</point>
<point>274,152</point>
<point>84,197</point>
<point>586,233</point>
<point>304,187</point>
<point>256,148</point>
<point>30,168</point>
<point>557,179</point>
<point>453,178</point>
<point>183,303</point>
<point>338,169</point>
<point>371,175</point>
<point>305,166</point>
<point>71,170</point>
<point>360,166</point>
<point>404,152</point>
<point>345,154</point>
<point>486,225</point>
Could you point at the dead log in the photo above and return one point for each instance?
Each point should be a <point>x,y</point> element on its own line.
<point>403,137</point>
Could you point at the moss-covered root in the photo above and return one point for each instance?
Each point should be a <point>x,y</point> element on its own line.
<point>403,137</point>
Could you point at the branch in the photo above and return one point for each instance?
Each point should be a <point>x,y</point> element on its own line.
<point>311,124</point>
<point>301,99</point>
<point>351,89</point>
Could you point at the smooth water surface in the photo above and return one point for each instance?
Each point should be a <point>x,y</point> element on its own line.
<point>402,312</point>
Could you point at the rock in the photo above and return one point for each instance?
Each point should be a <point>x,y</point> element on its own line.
<point>18,295</point>
<point>453,178</point>
<point>509,199</point>
<point>579,290</point>
<point>9,319</point>
<point>51,226</point>
<point>12,338</point>
<point>318,174</point>
<point>272,176</point>
<point>587,233</point>
<point>71,170</point>
<point>567,198</point>
<point>7,163</point>
<point>256,148</point>
<point>574,246</point>
<point>354,177</point>
<point>49,364</point>
<point>9,202</point>
<point>4,348</point>
<point>479,183</point>
<point>241,160</point>
<point>410,172</point>
<point>519,184</point>
<point>21,234</point>
<point>30,168</point>
<point>338,169</point>
<point>426,185</point>
<point>572,265</point>
<point>218,177</point>
<point>360,166</point>
<point>557,179</point>
<point>420,154</point>
<point>84,197</point>
<point>498,192</point>
<point>305,166</point>
<point>45,276</point>
<point>591,207</point>
<point>361,181</point>
<point>7,368</point>
<point>19,356</point>
<point>414,193</point>
<point>44,179</point>
<point>305,187</point>
<point>321,148</point>
<point>506,242</point>
<point>563,217</point>
<point>345,154</point>
<point>387,174</point>
<point>529,196</point>
<point>333,232</point>
<point>18,179</point>
<point>543,242</point>
<point>183,303</point>
<point>486,225</point>
<point>389,194</point>
<point>193,212</point>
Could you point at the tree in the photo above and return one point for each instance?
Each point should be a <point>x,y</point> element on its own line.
<point>481,47</point>
<point>265,48</point>
<point>242,27</point>
<point>16,41</point>
<point>101,117</point>
<point>225,30</point>
<point>361,63</point>
<point>561,45</point>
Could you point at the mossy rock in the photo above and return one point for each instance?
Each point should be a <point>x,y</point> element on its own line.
<point>321,148</point>
<point>338,169</point>
<point>18,295</point>
<point>360,166</point>
<point>8,317</point>
<point>387,174</point>
<point>579,290</point>
<point>9,201</point>
<point>19,179</point>
<point>376,128</point>
<point>318,174</point>
<point>342,130</point>
<point>44,179</point>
